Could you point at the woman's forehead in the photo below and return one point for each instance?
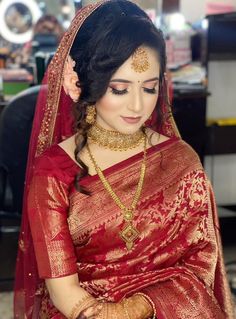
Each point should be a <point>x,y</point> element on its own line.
<point>141,66</point>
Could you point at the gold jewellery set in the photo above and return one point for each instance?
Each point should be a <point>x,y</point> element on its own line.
<point>117,141</point>
<point>114,140</point>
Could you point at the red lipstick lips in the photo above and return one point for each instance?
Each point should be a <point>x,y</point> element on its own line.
<point>131,120</point>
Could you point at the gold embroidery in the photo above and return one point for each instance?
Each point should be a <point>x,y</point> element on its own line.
<point>55,77</point>
<point>48,201</point>
<point>213,224</point>
<point>57,255</point>
<point>178,224</point>
<point>22,245</point>
<point>88,215</point>
<point>55,191</point>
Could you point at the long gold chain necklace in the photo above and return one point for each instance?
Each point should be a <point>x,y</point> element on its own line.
<point>129,233</point>
<point>114,140</point>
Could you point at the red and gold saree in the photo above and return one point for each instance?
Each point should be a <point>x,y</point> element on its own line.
<point>177,259</point>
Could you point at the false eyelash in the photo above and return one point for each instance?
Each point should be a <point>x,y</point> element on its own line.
<point>122,92</point>
<point>118,92</point>
<point>151,91</point>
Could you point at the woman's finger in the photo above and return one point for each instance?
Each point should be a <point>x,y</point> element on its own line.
<point>90,312</point>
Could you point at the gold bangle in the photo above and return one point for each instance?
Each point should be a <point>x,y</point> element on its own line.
<point>125,308</point>
<point>149,301</point>
<point>81,305</point>
<point>100,315</point>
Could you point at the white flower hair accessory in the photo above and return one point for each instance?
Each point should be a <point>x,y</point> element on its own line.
<point>70,79</point>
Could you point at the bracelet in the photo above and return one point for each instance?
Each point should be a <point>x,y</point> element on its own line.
<point>125,308</point>
<point>149,301</point>
<point>102,314</point>
<point>108,311</point>
<point>80,305</point>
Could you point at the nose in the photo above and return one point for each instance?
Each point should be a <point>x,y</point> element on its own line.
<point>136,102</point>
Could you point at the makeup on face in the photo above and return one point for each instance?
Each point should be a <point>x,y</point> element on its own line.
<point>131,120</point>
<point>131,96</point>
<point>121,86</point>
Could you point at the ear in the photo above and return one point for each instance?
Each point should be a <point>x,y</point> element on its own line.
<point>70,79</point>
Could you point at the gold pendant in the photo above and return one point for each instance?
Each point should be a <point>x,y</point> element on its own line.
<point>129,234</point>
<point>128,216</point>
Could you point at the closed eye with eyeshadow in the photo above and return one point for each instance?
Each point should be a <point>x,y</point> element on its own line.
<point>121,90</point>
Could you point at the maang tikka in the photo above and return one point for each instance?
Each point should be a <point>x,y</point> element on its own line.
<point>91,114</point>
<point>140,62</point>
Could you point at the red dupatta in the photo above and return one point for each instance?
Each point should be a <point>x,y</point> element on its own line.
<point>52,123</point>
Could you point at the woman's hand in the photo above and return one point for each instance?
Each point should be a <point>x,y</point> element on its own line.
<point>134,307</point>
<point>91,312</point>
<point>137,307</point>
<point>104,310</point>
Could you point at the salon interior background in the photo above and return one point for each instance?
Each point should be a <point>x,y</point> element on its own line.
<point>16,29</point>
<point>12,22</point>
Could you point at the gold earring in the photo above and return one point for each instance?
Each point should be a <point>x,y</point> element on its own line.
<point>91,114</point>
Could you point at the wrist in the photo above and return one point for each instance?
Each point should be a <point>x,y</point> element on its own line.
<point>148,304</point>
<point>86,302</point>
<point>136,307</point>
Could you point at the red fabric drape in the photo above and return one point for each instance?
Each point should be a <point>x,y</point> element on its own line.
<point>52,124</point>
<point>176,260</point>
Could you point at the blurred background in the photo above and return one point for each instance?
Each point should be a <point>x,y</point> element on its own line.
<point>201,53</point>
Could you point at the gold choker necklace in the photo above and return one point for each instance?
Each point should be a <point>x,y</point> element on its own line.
<point>114,140</point>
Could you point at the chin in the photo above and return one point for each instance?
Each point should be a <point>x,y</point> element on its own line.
<point>129,129</point>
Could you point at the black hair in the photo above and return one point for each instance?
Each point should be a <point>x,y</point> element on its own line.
<point>108,37</point>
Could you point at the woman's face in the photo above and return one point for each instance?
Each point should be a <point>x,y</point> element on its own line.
<point>131,96</point>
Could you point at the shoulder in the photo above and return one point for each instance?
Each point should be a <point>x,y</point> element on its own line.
<point>178,149</point>
<point>184,148</point>
<point>181,163</point>
<point>55,162</point>
<point>176,154</point>
<point>68,146</point>
<point>188,164</point>
<point>175,146</point>
<point>188,155</point>
<point>154,137</point>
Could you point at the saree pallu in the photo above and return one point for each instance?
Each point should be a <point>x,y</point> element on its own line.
<point>177,259</point>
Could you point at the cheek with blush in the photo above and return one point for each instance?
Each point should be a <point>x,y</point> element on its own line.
<point>108,104</point>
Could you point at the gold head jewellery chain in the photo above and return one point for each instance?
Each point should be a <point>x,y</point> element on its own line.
<point>129,233</point>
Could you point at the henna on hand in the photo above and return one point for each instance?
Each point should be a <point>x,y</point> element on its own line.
<point>90,312</point>
<point>136,307</point>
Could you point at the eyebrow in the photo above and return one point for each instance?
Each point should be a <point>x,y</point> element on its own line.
<point>126,81</point>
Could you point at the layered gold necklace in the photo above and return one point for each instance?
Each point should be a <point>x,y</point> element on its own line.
<point>114,140</point>
<point>129,233</point>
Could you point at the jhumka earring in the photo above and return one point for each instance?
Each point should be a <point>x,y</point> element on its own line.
<point>91,114</point>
